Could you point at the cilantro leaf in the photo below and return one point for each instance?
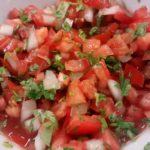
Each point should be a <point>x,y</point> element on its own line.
<point>25,18</point>
<point>62,10</point>
<point>3,124</point>
<point>49,94</point>
<point>80,6</point>
<point>16,97</point>
<point>67,25</point>
<point>113,64</point>
<point>99,98</point>
<point>124,85</point>
<point>6,144</point>
<point>100,20</point>
<point>82,34</point>
<point>147,146</point>
<point>93,31</point>
<point>68,148</point>
<point>104,124</point>
<point>140,31</point>
<point>4,72</point>
<point>33,67</point>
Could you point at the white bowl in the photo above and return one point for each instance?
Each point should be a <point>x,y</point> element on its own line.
<point>7,5</point>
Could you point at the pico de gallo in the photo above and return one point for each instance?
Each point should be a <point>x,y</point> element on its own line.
<point>75,75</point>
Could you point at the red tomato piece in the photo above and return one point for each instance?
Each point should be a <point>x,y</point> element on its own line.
<point>74,94</point>
<point>83,125</point>
<point>136,77</point>
<point>77,65</point>
<point>145,101</point>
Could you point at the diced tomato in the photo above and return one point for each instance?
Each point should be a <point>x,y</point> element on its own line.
<point>22,67</point>
<point>104,50</point>
<point>145,101</point>
<point>74,94</point>
<point>118,46</point>
<point>2,104</point>
<point>77,65</point>
<point>14,13</point>
<point>97,3</point>
<point>4,41</point>
<point>38,19</point>
<point>103,37</point>
<point>83,125</point>
<point>88,88</point>
<point>91,45</point>
<point>110,140</point>
<point>136,77</point>
<point>135,112</point>
<point>146,55</point>
<point>102,74</point>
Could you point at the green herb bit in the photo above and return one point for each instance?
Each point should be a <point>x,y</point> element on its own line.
<point>16,97</point>
<point>33,67</point>
<point>124,85</point>
<point>49,94</point>
<point>68,148</point>
<point>99,98</point>
<point>62,10</point>
<point>4,72</point>
<point>82,34</point>
<point>67,25</point>
<point>113,64</point>
<point>6,144</point>
<point>25,18</point>
<point>3,124</point>
<point>104,124</point>
<point>100,20</point>
<point>140,31</point>
<point>80,6</point>
<point>147,146</point>
<point>94,30</point>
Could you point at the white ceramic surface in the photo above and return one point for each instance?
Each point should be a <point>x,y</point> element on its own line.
<point>6,5</point>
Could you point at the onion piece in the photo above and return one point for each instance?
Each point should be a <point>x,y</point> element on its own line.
<point>27,109</point>
<point>88,14</point>
<point>32,124</point>
<point>39,144</point>
<point>109,11</point>
<point>76,75</point>
<point>48,20</point>
<point>79,109</point>
<point>125,59</point>
<point>6,29</point>
<point>50,81</point>
<point>115,91</point>
<point>50,9</point>
<point>32,40</point>
<point>94,144</point>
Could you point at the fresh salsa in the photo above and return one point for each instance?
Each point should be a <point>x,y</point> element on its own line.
<point>75,75</point>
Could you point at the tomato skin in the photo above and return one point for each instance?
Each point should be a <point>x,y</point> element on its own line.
<point>83,125</point>
<point>102,74</point>
<point>77,65</point>
<point>97,3</point>
<point>110,139</point>
<point>88,88</point>
<point>74,94</point>
<point>145,101</point>
<point>4,42</point>
<point>14,13</point>
<point>91,45</point>
<point>136,77</point>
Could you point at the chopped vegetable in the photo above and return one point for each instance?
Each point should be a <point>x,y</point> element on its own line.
<point>147,146</point>
<point>7,145</point>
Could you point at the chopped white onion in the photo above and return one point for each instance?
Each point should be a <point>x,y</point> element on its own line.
<point>6,29</point>
<point>76,76</point>
<point>79,109</point>
<point>88,14</point>
<point>115,91</point>
<point>109,11</point>
<point>48,19</point>
<point>94,144</point>
<point>68,21</point>
<point>32,40</point>
<point>39,144</point>
<point>50,9</point>
<point>27,109</point>
<point>50,81</point>
<point>32,123</point>
<point>125,59</point>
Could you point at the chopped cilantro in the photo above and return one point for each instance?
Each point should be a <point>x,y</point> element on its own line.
<point>93,60</point>
<point>93,31</point>
<point>16,97</point>
<point>104,124</point>
<point>62,10</point>
<point>82,34</point>
<point>49,94</point>
<point>113,64</point>
<point>140,31</point>
<point>80,6</point>
<point>57,63</point>
<point>147,146</point>
<point>100,20</point>
<point>25,18</point>
<point>67,25</point>
<point>3,124</point>
<point>4,72</point>
<point>6,144</point>
<point>34,67</point>
<point>99,98</point>
<point>124,85</point>
<point>68,148</point>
